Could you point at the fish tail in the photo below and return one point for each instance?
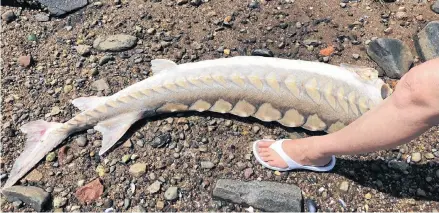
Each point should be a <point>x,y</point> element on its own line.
<point>42,137</point>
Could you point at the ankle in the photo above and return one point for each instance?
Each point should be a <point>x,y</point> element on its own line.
<point>314,150</point>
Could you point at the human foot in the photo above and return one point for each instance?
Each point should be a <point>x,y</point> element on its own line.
<point>293,153</point>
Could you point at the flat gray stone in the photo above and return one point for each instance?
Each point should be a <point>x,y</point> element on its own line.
<point>427,41</point>
<point>115,43</point>
<point>100,85</point>
<point>263,195</point>
<point>42,17</point>
<point>61,7</point>
<point>391,55</point>
<point>36,197</point>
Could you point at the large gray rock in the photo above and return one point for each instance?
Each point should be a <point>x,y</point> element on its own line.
<point>61,7</point>
<point>263,195</point>
<point>435,7</point>
<point>115,43</point>
<point>31,195</point>
<point>391,55</point>
<point>427,41</point>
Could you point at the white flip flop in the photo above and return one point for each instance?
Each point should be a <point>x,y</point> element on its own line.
<point>277,147</point>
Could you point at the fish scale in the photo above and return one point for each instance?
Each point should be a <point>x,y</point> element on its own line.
<point>294,93</point>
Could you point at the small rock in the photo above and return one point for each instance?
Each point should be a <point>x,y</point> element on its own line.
<point>100,85</point>
<point>161,141</point>
<point>263,195</point>
<point>256,129</point>
<point>327,51</point>
<point>150,31</point>
<point>59,8</point>
<point>32,37</point>
<point>138,208</point>
<point>388,30</point>
<point>126,203</point>
<point>344,186</point>
<point>50,157</point>
<point>391,55</point>
<point>83,50</point>
<point>81,141</point>
<point>42,17</point>
<point>181,2</point>
<point>138,169</point>
<point>435,7</point>
<point>429,156</point>
<point>34,176</point>
<point>8,16</point>
<point>126,158</point>
<point>416,157</point>
<point>155,187</point>
<point>67,88</point>
<point>17,204</point>
<point>105,59</point>
<point>342,5</point>
<point>207,165</point>
<point>160,205</point>
<point>311,205</point>
<point>36,197</point>
<point>248,172</point>
<point>171,193</point>
<point>262,52</point>
<point>100,170</point>
<point>398,165</point>
<point>421,192</point>
<point>400,15</point>
<point>90,192</point>
<point>368,196</point>
<point>427,41</point>
<point>356,56</point>
<point>25,61</point>
<point>59,202</point>
<point>116,43</point>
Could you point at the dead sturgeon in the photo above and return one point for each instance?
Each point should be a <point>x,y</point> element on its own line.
<point>295,93</point>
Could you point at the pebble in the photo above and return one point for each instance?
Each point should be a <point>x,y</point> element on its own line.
<point>126,158</point>
<point>248,172</point>
<point>435,7</point>
<point>207,165</point>
<point>416,157</point>
<point>171,193</point>
<point>105,59</point>
<point>181,2</point>
<point>34,176</point>
<point>126,203</point>
<point>262,52</point>
<point>160,205</point>
<point>17,204</point>
<point>100,170</point>
<point>36,197</point>
<point>138,169</point>
<point>138,208</point>
<point>368,196</point>
<point>343,5</point>
<point>427,41</point>
<point>67,88</point>
<point>150,31</point>
<point>81,141</point>
<point>311,205</point>
<point>388,30</point>
<point>8,16</point>
<point>25,60</point>
<point>421,192</point>
<point>50,157</point>
<point>115,43</point>
<point>100,85</point>
<point>263,195</point>
<point>391,55</point>
<point>154,187</point>
<point>59,202</point>
<point>83,50</point>
<point>429,156</point>
<point>42,17</point>
<point>344,186</point>
<point>161,140</point>
<point>356,56</point>
<point>90,191</point>
<point>256,129</point>
<point>32,37</point>
<point>400,15</point>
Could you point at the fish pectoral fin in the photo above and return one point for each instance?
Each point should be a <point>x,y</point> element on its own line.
<point>159,65</point>
<point>86,103</point>
<point>114,128</point>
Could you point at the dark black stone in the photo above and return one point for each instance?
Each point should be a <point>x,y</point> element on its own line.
<point>262,52</point>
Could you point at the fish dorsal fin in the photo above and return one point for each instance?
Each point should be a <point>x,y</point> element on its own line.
<point>365,73</point>
<point>159,65</point>
<point>114,128</point>
<point>86,103</point>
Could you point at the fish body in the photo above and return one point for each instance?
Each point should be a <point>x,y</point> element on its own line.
<point>295,93</point>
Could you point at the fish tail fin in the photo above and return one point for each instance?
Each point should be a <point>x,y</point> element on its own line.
<point>42,137</point>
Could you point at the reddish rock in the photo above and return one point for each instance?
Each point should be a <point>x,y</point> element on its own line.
<point>90,192</point>
<point>62,154</point>
<point>327,51</point>
<point>25,60</point>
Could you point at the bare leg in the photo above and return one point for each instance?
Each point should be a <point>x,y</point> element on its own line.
<point>411,110</point>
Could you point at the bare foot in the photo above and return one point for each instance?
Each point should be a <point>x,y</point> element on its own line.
<point>301,151</point>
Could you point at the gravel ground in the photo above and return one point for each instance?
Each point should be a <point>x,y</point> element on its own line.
<point>173,147</point>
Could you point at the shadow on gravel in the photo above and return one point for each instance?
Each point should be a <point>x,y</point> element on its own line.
<point>417,181</point>
<point>404,181</point>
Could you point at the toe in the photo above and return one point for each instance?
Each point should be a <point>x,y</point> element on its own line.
<point>264,144</point>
